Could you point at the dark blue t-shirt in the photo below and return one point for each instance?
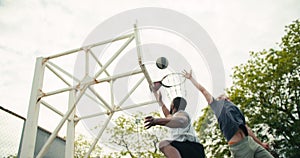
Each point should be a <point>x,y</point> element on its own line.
<point>229,116</point>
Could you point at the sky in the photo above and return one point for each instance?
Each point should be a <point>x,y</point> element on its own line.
<point>34,28</point>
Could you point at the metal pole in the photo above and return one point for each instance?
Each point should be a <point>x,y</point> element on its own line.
<point>139,53</point>
<point>29,138</point>
<point>70,146</point>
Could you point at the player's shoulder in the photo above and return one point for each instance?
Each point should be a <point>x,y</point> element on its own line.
<point>181,113</point>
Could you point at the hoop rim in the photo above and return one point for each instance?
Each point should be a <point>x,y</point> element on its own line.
<point>176,73</point>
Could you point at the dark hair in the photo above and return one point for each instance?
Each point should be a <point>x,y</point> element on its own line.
<point>179,103</point>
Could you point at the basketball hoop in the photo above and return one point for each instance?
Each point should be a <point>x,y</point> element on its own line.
<point>174,85</point>
<point>176,91</point>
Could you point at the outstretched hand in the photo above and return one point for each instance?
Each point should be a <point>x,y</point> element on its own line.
<point>186,74</point>
<point>149,122</point>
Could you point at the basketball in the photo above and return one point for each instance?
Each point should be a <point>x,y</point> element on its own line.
<point>162,62</point>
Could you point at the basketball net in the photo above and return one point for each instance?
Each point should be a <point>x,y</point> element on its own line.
<point>176,91</point>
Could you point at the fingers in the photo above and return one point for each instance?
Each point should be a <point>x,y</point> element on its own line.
<point>147,126</point>
<point>148,117</point>
<point>149,122</point>
<point>186,74</point>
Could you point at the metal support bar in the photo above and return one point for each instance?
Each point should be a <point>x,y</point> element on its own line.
<point>110,40</point>
<point>100,98</point>
<point>57,91</point>
<point>87,63</point>
<point>108,79</point>
<point>52,108</point>
<point>60,77</point>
<point>126,74</point>
<point>135,105</point>
<point>88,46</point>
<point>63,71</point>
<point>98,62</point>
<point>114,56</point>
<point>92,98</point>
<point>123,100</point>
<point>98,136</point>
<point>131,91</point>
<point>112,102</point>
<point>92,115</point>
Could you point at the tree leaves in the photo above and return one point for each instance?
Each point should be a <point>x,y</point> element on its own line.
<point>134,140</point>
<point>267,89</point>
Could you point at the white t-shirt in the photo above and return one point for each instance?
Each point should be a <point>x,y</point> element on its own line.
<point>183,134</point>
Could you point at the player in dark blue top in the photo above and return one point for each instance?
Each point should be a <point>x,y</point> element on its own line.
<point>230,118</point>
<point>241,140</point>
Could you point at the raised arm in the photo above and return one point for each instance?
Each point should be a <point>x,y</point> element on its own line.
<point>205,93</point>
<point>251,134</point>
<point>178,121</point>
<point>158,97</point>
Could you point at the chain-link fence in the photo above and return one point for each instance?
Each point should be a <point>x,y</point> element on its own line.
<point>11,127</point>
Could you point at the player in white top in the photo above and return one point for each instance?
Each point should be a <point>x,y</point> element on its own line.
<point>184,143</point>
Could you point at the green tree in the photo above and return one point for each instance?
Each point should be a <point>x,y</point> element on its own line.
<point>267,88</point>
<point>82,145</point>
<point>130,135</point>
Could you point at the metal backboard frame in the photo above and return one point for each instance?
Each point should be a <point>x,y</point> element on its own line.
<point>75,94</point>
